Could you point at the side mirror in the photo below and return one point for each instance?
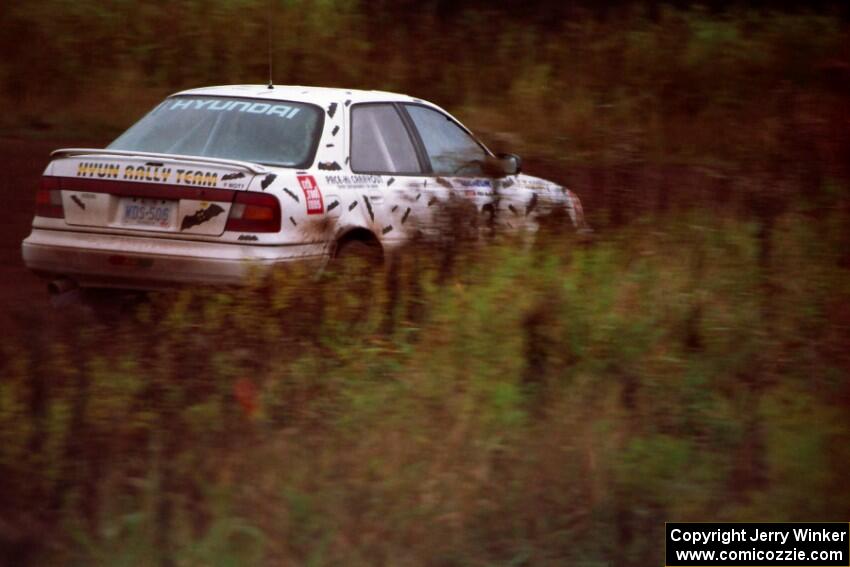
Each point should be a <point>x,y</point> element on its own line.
<point>511,163</point>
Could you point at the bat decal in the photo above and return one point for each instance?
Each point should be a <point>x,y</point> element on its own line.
<point>390,181</point>
<point>292,220</point>
<point>201,216</point>
<point>268,181</point>
<point>369,207</point>
<point>332,206</point>
<point>232,176</point>
<point>79,202</point>
<point>513,209</point>
<point>291,194</point>
<point>352,205</point>
<point>406,214</point>
<point>335,130</point>
<point>329,166</point>
<point>332,109</point>
<point>394,209</point>
<point>387,229</point>
<point>444,182</point>
<point>531,204</point>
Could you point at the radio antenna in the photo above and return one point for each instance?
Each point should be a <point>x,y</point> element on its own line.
<point>269,26</point>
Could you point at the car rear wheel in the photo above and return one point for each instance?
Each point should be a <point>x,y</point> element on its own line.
<point>352,271</point>
<point>367,252</point>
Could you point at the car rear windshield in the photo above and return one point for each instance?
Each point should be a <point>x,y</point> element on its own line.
<point>270,132</point>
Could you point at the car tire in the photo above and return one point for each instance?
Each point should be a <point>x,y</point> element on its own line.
<point>367,252</point>
<point>353,273</point>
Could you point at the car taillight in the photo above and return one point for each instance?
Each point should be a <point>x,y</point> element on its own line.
<point>254,212</point>
<point>48,199</point>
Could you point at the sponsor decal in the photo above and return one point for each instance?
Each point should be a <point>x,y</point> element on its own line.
<point>190,177</point>
<point>477,187</point>
<point>312,194</point>
<point>200,216</point>
<point>476,183</point>
<point>151,173</point>
<point>353,181</point>
<point>97,169</point>
<point>533,184</point>
<point>221,105</point>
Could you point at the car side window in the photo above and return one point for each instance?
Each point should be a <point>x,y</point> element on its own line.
<point>380,143</point>
<point>450,148</point>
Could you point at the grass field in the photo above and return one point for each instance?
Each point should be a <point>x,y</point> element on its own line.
<point>534,405</point>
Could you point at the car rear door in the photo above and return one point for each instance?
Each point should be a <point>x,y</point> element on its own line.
<point>382,145</point>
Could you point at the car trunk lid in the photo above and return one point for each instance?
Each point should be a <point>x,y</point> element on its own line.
<point>139,191</point>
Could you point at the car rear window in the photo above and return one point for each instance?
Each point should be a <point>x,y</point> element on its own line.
<point>271,132</point>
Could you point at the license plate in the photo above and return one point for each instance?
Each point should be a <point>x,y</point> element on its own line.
<point>149,213</point>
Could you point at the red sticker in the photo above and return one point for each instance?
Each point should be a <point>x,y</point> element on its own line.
<point>312,194</point>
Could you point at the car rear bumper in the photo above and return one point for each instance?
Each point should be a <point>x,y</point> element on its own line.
<point>101,260</point>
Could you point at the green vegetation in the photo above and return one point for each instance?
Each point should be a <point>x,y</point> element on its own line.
<point>544,406</point>
<point>549,79</point>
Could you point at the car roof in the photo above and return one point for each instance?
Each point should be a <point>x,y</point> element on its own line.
<point>316,95</point>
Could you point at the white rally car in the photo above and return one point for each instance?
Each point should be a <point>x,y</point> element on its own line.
<point>215,181</point>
